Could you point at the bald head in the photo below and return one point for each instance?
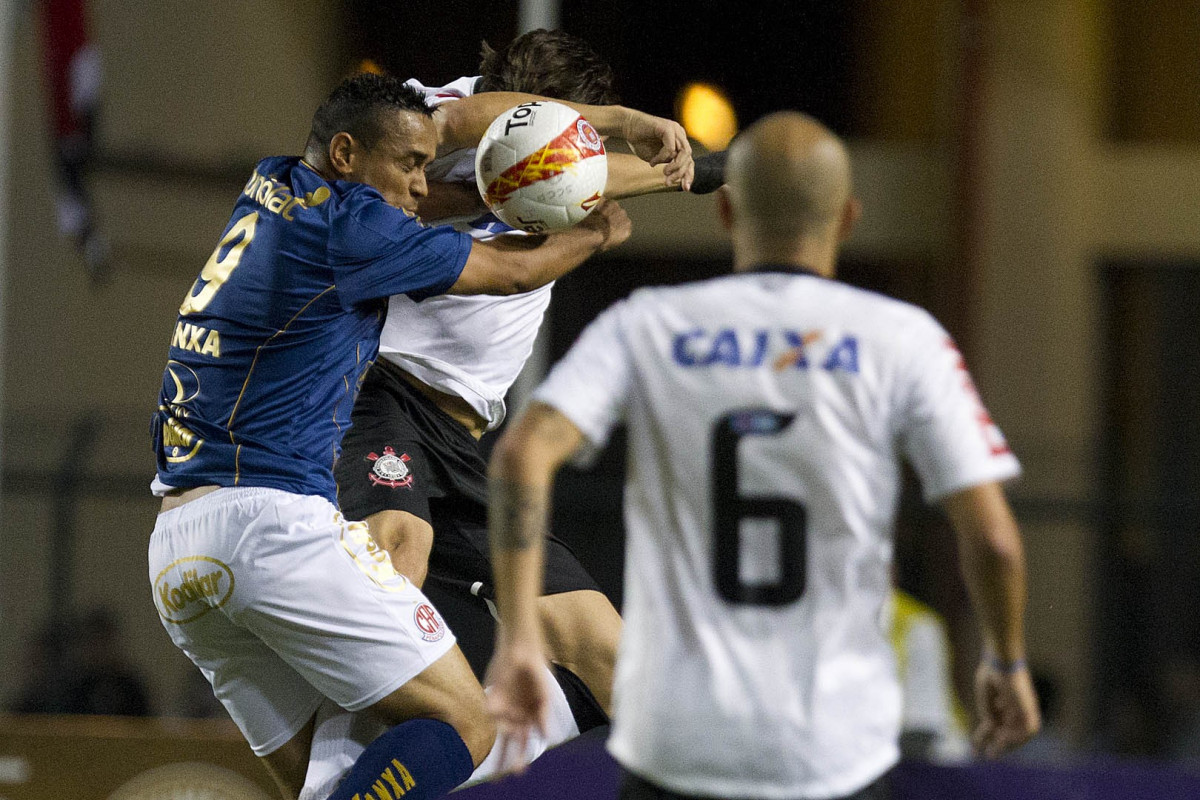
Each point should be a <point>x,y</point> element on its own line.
<point>788,178</point>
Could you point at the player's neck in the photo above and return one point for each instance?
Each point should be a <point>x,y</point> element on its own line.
<point>317,162</point>
<point>816,255</point>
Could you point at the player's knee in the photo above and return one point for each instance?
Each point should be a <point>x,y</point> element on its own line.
<point>479,734</point>
<point>446,691</point>
<point>472,723</point>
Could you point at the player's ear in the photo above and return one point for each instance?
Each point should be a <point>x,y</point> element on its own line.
<point>851,213</point>
<point>725,208</point>
<point>342,150</point>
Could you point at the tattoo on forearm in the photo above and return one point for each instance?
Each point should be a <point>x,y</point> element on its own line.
<point>518,514</point>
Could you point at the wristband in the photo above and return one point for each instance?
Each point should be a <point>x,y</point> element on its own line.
<point>710,172</point>
<point>1004,667</point>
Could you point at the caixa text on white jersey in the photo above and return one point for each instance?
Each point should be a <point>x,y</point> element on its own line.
<point>778,349</point>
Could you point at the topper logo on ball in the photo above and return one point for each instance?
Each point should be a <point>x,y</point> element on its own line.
<point>520,117</point>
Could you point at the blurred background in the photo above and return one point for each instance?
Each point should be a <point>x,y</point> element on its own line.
<point>1030,171</point>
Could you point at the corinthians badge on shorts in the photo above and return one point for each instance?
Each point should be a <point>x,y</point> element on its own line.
<point>390,469</point>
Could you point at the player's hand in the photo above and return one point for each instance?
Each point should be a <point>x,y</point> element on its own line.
<point>661,141</point>
<point>1007,708</point>
<point>611,221</point>
<point>517,698</point>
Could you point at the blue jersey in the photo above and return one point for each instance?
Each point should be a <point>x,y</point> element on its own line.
<point>283,322</point>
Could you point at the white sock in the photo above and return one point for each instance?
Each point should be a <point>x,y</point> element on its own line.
<point>560,726</point>
<point>340,737</point>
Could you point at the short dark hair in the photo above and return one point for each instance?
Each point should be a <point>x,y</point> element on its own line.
<point>355,107</point>
<point>550,63</point>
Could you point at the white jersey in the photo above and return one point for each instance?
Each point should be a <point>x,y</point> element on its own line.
<point>768,414</point>
<point>472,347</point>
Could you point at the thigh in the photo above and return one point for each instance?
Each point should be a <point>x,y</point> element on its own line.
<point>577,621</point>
<point>385,464</point>
<point>333,607</point>
<point>306,590</point>
<point>583,632</point>
<point>196,583</point>
<point>461,555</point>
<point>446,690</point>
<point>460,581</point>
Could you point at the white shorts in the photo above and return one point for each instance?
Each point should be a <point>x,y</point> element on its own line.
<point>280,602</point>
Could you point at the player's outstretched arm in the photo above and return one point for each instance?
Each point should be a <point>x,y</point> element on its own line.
<point>630,176</point>
<point>520,475</point>
<point>993,564</point>
<point>653,139</point>
<point>514,264</point>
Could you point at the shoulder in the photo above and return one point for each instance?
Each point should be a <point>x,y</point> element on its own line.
<point>866,309</point>
<point>901,329</point>
<point>362,209</point>
<point>788,287</point>
<point>885,311</point>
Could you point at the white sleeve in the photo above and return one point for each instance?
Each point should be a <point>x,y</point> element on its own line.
<point>436,95</point>
<point>459,166</point>
<point>590,385</point>
<point>946,431</point>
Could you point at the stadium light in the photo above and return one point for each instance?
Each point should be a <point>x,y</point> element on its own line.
<point>707,115</point>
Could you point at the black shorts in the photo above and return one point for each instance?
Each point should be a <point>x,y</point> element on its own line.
<point>403,453</point>
<point>634,787</point>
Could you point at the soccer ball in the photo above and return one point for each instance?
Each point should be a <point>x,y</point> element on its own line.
<point>541,167</point>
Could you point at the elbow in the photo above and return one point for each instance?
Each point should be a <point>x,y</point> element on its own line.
<point>519,272</point>
<point>515,279</point>
<point>520,284</point>
<point>494,274</point>
<point>504,285</point>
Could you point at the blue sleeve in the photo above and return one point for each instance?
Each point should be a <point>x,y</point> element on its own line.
<point>378,251</point>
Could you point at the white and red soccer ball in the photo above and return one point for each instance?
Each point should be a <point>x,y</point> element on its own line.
<point>541,167</point>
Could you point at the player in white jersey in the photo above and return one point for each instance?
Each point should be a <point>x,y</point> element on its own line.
<point>445,366</point>
<point>768,415</point>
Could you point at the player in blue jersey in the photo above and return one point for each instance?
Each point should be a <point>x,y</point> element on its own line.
<point>256,575</point>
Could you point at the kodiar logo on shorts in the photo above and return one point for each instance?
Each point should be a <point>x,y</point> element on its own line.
<point>190,587</point>
<point>390,470</point>
<point>430,623</point>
